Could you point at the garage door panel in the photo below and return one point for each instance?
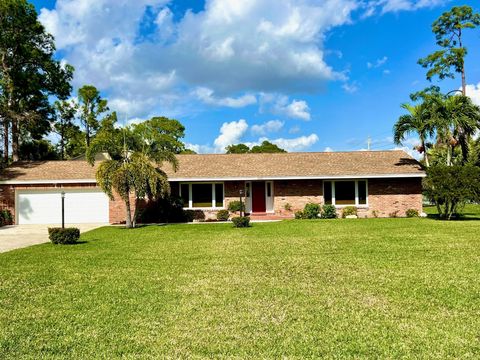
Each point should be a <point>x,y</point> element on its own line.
<point>45,207</point>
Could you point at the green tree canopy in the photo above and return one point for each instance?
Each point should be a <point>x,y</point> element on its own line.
<point>92,105</point>
<point>449,29</point>
<point>264,147</point>
<point>267,147</point>
<point>29,75</point>
<point>137,154</point>
<point>237,149</point>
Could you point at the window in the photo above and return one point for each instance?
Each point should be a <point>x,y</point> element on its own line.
<point>202,195</point>
<point>344,193</point>
<point>362,192</point>
<point>327,192</point>
<point>184,194</point>
<point>218,195</point>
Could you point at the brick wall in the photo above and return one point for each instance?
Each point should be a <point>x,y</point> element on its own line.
<point>389,196</point>
<point>296,193</point>
<point>385,196</point>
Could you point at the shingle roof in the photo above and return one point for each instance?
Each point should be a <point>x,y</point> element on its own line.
<point>243,166</point>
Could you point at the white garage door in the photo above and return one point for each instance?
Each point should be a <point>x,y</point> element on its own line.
<point>45,207</point>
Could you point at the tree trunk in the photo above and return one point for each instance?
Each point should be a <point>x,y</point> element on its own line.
<point>464,81</point>
<point>6,141</point>
<point>135,213</point>
<point>128,219</point>
<point>449,156</point>
<point>425,156</point>
<point>15,141</point>
<point>87,135</point>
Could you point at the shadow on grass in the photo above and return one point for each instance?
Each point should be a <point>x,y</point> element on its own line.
<point>462,217</point>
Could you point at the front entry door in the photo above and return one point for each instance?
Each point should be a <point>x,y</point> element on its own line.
<point>258,196</point>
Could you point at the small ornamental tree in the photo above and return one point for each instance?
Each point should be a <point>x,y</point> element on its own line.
<point>450,187</point>
<point>134,169</point>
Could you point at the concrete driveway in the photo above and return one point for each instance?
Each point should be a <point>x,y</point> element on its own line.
<point>20,236</point>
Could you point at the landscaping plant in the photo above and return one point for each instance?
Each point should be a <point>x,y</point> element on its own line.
<point>63,236</point>
<point>349,210</point>
<point>241,221</point>
<point>311,211</point>
<point>411,213</point>
<point>329,212</point>
<point>236,206</point>
<point>223,215</point>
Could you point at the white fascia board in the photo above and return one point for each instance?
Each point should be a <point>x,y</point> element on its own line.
<point>41,182</point>
<point>326,177</point>
<point>246,178</point>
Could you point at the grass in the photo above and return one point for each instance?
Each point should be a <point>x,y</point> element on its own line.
<point>376,288</point>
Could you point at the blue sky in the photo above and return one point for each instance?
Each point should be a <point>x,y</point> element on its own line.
<point>308,75</point>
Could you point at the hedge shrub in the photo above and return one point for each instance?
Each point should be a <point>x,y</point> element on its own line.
<point>6,217</point>
<point>411,213</point>
<point>311,211</point>
<point>223,215</point>
<point>329,212</point>
<point>349,210</point>
<point>299,215</point>
<point>64,235</point>
<point>241,221</point>
<point>236,206</point>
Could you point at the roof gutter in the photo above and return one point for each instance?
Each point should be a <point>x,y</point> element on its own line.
<point>226,178</point>
<point>315,177</point>
<point>46,182</point>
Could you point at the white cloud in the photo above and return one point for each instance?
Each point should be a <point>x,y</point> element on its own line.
<point>230,47</point>
<point>350,88</point>
<point>295,144</point>
<point>207,96</point>
<point>473,91</point>
<point>378,63</point>
<point>281,105</point>
<point>386,6</point>
<point>234,132</point>
<point>328,149</point>
<point>230,133</point>
<point>268,127</point>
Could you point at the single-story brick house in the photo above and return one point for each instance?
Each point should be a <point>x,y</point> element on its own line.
<point>378,183</point>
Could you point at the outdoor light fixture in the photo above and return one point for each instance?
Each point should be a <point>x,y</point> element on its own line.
<point>63,209</point>
<point>241,205</point>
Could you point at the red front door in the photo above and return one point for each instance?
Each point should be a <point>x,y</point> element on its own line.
<point>258,196</point>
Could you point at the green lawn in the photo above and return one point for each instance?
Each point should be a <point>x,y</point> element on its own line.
<point>378,288</point>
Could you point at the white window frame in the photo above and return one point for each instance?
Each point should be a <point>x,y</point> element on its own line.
<point>356,204</point>
<point>214,199</point>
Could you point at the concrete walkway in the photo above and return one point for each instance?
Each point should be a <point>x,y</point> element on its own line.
<point>20,236</point>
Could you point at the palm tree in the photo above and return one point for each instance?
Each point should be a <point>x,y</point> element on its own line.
<point>456,119</point>
<point>134,168</point>
<point>464,117</point>
<point>418,120</point>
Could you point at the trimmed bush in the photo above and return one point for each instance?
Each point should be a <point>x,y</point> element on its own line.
<point>241,221</point>
<point>299,215</point>
<point>223,215</point>
<point>64,236</point>
<point>168,209</point>
<point>329,212</point>
<point>6,217</point>
<point>311,211</point>
<point>236,206</point>
<point>411,213</point>
<point>349,210</point>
